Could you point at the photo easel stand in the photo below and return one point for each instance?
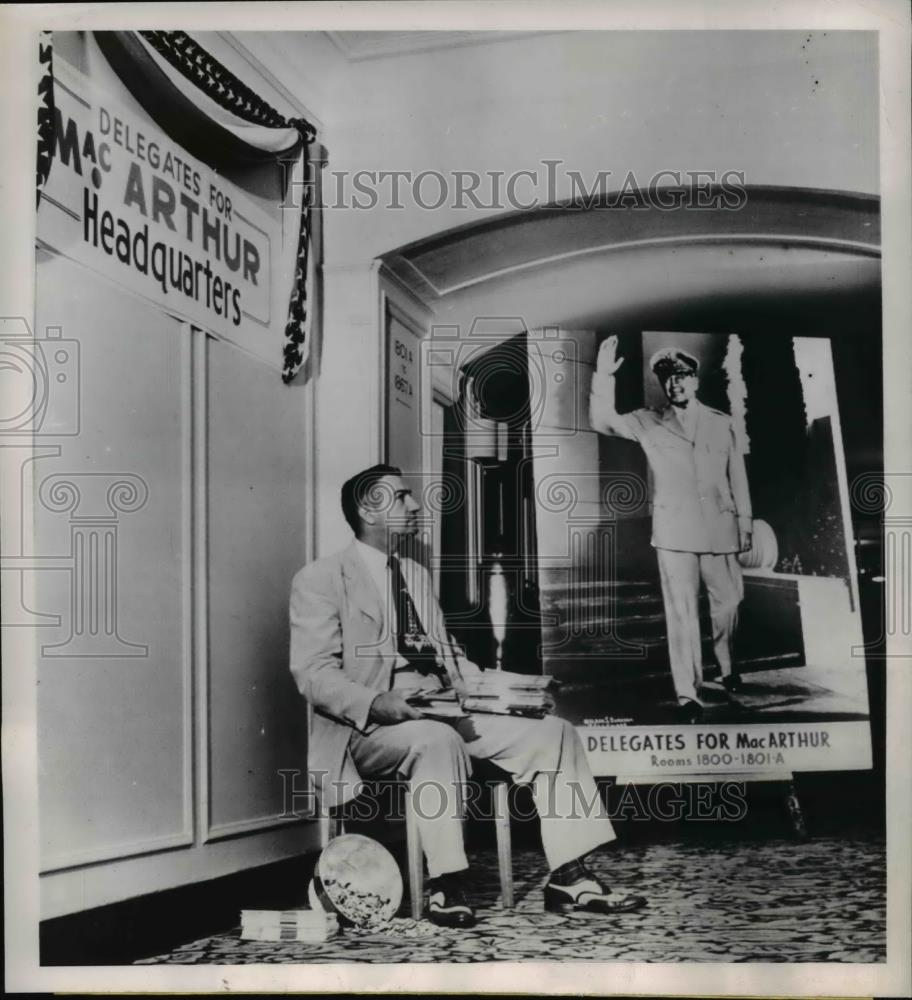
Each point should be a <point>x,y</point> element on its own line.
<point>786,779</point>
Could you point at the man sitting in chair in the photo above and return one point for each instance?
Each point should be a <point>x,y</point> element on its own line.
<point>366,631</point>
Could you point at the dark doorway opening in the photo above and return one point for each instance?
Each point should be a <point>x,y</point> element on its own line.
<point>489,565</point>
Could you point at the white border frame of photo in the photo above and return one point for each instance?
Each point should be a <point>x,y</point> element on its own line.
<point>19,25</point>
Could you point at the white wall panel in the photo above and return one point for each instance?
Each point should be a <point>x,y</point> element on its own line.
<point>111,523</point>
<point>257,494</point>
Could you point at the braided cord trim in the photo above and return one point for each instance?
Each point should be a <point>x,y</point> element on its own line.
<point>222,86</point>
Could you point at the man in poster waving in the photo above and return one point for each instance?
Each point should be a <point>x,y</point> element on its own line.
<point>701,509</point>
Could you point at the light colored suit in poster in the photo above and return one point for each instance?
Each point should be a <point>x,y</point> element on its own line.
<point>699,491</point>
<point>699,486</point>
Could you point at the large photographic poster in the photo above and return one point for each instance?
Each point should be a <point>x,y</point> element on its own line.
<point>799,700</point>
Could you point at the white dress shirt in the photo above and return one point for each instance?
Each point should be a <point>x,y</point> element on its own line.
<point>377,564</point>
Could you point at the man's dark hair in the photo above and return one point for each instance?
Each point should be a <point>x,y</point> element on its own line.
<point>358,488</point>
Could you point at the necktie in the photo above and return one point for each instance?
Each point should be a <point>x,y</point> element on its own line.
<point>411,640</point>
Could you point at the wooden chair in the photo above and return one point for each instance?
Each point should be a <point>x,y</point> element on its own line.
<point>415,853</point>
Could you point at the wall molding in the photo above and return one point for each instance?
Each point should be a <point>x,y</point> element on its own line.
<point>258,824</point>
<point>200,587</point>
<point>513,242</point>
<point>187,341</point>
<point>120,851</point>
<point>850,247</point>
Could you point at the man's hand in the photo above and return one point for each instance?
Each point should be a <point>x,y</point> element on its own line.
<point>608,361</point>
<point>390,707</point>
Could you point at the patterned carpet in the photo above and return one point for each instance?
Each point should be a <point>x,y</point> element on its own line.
<point>821,900</point>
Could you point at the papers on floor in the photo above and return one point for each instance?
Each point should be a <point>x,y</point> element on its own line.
<point>312,926</point>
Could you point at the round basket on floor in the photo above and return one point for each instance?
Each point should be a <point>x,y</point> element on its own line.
<point>358,879</point>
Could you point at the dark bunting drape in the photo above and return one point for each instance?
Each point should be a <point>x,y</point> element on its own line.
<point>45,111</point>
<point>219,120</point>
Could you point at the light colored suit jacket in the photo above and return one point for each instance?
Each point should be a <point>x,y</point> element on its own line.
<point>699,487</point>
<point>343,651</point>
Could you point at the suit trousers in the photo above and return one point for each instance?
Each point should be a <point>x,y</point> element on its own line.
<point>681,573</point>
<point>435,757</point>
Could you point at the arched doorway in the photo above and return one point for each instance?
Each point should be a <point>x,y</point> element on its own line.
<point>788,264</point>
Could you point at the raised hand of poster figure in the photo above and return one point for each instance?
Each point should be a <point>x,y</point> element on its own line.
<point>608,361</point>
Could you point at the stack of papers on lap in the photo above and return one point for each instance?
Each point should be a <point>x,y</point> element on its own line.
<point>437,704</point>
<point>288,925</point>
<point>503,692</point>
